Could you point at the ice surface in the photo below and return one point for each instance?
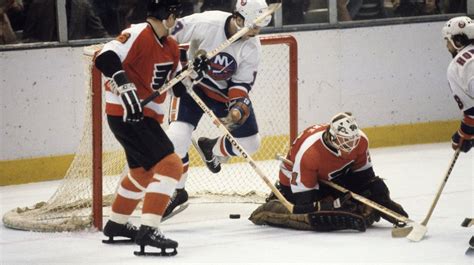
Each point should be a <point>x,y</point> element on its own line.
<point>206,235</point>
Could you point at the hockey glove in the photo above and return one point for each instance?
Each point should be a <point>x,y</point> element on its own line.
<point>341,203</point>
<point>461,143</point>
<point>200,66</point>
<point>128,97</point>
<point>239,111</point>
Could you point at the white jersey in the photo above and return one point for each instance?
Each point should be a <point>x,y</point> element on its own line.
<point>234,68</point>
<point>461,78</point>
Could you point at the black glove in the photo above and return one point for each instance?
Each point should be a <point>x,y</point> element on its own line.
<point>459,142</point>
<point>129,99</point>
<point>200,66</point>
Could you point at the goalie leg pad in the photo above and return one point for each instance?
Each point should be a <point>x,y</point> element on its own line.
<point>325,221</point>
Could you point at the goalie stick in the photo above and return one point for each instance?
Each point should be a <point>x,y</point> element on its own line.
<point>270,10</point>
<point>419,229</point>
<point>415,235</point>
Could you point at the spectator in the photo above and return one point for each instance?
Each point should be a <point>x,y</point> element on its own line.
<point>342,11</point>
<point>406,8</point>
<point>223,5</point>
<point>41,22</point>
<point>107,11</point>
<point>7,35</point>
<point>293,11</point>
<point>82,21</point>
<point>366,9</point>
<point>454,6</point>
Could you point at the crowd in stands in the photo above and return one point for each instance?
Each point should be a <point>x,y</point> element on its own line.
<point>23,21</point>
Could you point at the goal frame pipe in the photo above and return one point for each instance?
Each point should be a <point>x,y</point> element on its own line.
<point>97,118</point>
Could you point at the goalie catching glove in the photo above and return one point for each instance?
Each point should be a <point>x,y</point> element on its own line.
<point>239,111</point>
<point>128,97</point>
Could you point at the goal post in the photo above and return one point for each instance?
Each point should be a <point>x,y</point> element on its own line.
<point>84,196</point>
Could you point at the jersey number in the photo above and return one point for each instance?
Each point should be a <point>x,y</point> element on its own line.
<point>458,100</point>
<point>465,57</point>
<point>161,74</point>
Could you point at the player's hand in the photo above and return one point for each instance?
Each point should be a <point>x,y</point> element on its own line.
<point>200,66</point>
<point>131,105</point>
<point>343,202</point>
<point>458,142</point>
<point>132,110</point>
<point>239,111</point>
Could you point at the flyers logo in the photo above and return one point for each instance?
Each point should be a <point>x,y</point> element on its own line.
<point>123,37</point>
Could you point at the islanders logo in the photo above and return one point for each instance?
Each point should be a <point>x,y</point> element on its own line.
<point>223,66</point>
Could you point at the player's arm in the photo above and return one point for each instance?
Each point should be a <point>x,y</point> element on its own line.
<point>463,138</point>
<point>110,65</point>
<point>240,105</point>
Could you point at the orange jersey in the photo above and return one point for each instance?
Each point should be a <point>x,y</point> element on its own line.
<point>313,159</point>
<point>148,62</point>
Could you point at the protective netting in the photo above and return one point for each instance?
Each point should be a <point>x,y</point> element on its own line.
<point>70,207</point>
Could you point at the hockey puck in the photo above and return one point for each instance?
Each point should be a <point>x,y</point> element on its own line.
<point>234,216</point>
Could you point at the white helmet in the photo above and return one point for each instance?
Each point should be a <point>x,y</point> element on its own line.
<point>458,26</point>
<point>344,132</point>
<point>250,10</point>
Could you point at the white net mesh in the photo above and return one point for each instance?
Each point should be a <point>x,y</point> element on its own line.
<point>69,208</point>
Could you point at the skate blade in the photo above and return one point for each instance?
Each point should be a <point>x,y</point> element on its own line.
<point>468,222</point>
<point>112,241</point>
<point>470,251</point>
<point>176,211</point>
<point>162,253</point>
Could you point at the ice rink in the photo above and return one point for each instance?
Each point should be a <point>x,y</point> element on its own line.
<point>206,235</point>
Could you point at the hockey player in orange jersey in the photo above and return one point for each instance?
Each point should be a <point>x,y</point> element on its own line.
<point>339,152</point>
<point>137,63</point>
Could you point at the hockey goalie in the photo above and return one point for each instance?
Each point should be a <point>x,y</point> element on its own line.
<point>337,152</point>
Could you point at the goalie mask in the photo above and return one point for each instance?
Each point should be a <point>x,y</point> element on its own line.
<point>458,31</point>
<point>162,9</point>
<point>344,133</point>
<point>249,10</point>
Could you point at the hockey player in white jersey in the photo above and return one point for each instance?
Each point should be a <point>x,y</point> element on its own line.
<point>224,88</point>
<point>459,35</point>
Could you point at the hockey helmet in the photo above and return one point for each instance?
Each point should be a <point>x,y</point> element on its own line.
<point>344,132</point>
<point>162,9</point>
<point>249,10</point>
<point>460,30</point>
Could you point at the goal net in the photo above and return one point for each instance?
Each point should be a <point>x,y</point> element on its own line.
<point>86,192</point>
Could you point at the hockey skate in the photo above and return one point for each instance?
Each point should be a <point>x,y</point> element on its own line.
<point>113,229</point>
<point>177,204</point>
<point>204,147</point>
<point>150,236</point>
